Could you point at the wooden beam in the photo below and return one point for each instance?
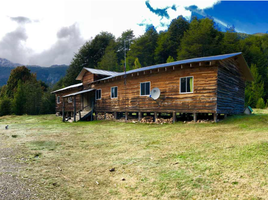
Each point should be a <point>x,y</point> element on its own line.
<point>74,108</point>
<point>195,117</point>
<point>173,67</point>
<point>174,116</point>
<point>115,115</point>
<point>139,116</point>
<point>181,67</point>
<point>126,113</point>
<point>215,117</point>
<point>63,110</point>
<point>191,65</point>
<point>155,116</point>
<point>165,69</point>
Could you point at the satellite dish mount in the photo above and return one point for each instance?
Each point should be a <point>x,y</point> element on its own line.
<point>155,93</point>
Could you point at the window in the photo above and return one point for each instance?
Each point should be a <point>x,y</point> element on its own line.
<point>98,94</point>
<point>186,84</point>
<point>70,99</point>
<point>114,92</point>
<point>58,99</point>
<point>145,89</point>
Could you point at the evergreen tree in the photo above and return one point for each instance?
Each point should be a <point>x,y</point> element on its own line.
<point>170,59</point>
<point>254,89</point>
<point>202,39</point>
<point>19,100</point>
<point>5,106</point>
<point>109,59</point>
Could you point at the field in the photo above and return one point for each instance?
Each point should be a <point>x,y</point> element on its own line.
<point>227,160</point>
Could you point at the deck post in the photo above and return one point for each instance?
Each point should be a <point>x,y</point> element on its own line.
<point>115,115</point>
<point>92,107</point>
<point>215,117</point>
<point>104,115</point>
<point>195,117</point>
<point>139,116</point>
<point>63,109</point>
<point>174,116</point>
<point>74,108</point>
<point>155,116</point>
<point>79,115</point>
<point>126,113</point>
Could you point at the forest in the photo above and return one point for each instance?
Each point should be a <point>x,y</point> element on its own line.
<point>182,40</point>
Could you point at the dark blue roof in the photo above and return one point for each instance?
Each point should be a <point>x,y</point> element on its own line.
<point>193,60</point>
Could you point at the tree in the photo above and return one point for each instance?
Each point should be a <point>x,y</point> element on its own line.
<point>202,39</point>
<point>5,106</point>
<point>255,89</point>
<point>260,103</point>
<point>89,55</point>
<point>143,48</point>
<point>19,100</point>
<point>170,59</point>
<point>230,42</point>
<point>137,64</point>
<point>169,42</point>
<point>22,74</point>
<point>109,59</point>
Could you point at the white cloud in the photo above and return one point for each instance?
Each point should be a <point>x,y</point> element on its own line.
<point>90,16</point>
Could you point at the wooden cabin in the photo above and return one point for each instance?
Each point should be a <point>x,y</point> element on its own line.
<point>214,84</point>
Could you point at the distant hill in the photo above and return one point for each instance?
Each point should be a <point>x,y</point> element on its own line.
<point>49,75</point>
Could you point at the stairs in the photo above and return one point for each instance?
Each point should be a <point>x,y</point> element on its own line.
<point>84,114</point>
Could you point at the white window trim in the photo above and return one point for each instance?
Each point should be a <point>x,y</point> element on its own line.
<point>100,95</point>
<point>193,85</point>
<point>149,89</point>
<point>58,99</point>
<point>117,92</point>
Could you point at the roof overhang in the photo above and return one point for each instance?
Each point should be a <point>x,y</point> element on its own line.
<point>95,71</point>
<point>76,93</point>
<point>68,87</point>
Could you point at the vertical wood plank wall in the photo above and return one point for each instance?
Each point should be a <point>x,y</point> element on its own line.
<point>231,88</point>
<point>202,100</point>
<point>68,106</point>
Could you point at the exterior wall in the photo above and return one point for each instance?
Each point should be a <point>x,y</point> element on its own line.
<point>68,106</point>
<point>87,78</point>
<point>202,100</point>
<point>231,88</point>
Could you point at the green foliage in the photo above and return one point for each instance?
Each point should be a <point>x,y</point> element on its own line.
<point>5,106</point>
<point>260,103</point>
<point>144,48</point>
<point>109,59</point>
<point>202,39</point>
<point>89,55</point>
<point>255,89</point>
<point>48,103</point>
<point>137,64</point>
<point>19,100</point>
<point>170,59</point>
<point>22,74</point>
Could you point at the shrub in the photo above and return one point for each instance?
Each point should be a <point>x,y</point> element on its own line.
<point>260,103</point>
<point>5,106</point>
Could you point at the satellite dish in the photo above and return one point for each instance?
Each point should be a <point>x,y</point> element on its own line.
<point>155,93</point>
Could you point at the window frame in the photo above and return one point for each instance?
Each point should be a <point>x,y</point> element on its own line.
<point>116,92</point>
<point>58,99</point>
<point>149,88</point>
<point>186,85</point>
<point>96,94</point>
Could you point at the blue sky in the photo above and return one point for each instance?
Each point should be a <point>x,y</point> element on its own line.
<point>47,32</point>
<point>247,16</point>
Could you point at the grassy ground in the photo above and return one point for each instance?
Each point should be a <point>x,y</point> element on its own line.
<point>227,160</point>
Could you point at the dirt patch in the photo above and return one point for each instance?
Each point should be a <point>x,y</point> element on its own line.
<point>12,185</point>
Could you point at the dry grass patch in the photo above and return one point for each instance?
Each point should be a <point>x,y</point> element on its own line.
<point>227,160</point>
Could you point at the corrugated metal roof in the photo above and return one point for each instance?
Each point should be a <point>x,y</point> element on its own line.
<point>102,72</point>
<point>95,71</point>
<point>76,93</point>
<point>180,62</point>
<point>68,87</point>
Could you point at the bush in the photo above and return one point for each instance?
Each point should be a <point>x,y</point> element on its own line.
<point>5,106</point>
<point>260,103</point>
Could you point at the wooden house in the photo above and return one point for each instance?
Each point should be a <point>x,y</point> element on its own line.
<point>214,84</point>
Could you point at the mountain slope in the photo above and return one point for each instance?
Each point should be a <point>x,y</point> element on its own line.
<point>49,75</point>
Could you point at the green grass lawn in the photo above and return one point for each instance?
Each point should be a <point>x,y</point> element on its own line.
<point>227,160</point>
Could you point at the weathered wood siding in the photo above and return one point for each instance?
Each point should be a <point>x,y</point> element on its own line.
<point>68,106</point>
<point>202,100</point>
<point>87,78</point>
<point>231,88</point>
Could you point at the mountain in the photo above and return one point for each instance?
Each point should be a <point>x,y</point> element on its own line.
<point>49,75</point>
